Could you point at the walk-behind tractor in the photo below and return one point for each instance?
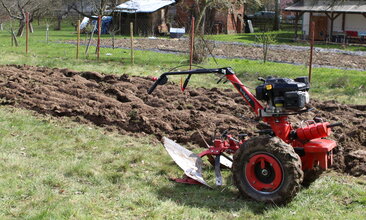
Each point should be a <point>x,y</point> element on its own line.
<point>269,167</point>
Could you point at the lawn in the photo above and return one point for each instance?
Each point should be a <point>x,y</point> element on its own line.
<point>56,169</point>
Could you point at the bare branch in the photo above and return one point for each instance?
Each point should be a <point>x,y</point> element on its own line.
<point>9,12</point>
<point>74,7</point>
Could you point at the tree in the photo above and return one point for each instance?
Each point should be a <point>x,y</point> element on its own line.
<point>17,9</point>
<point>98,7</point>
<point>61,9</point>
<point>3,17</point>
<point>277,20</point>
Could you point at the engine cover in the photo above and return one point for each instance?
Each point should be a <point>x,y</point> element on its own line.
<point>284,93</point>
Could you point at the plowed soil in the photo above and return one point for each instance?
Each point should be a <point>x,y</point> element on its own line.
<point>121,103</point>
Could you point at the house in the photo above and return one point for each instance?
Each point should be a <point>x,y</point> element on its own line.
<point>149,16</point>
<point>217,21</point>
<point>333,21</point>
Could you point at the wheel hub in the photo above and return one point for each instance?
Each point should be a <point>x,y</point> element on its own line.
<point>264,172</point>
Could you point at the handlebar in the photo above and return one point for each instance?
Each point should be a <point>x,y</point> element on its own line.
<point>163,78</point>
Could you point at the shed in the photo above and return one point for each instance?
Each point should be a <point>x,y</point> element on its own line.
<point>149,16</point>
<point>332,20</point>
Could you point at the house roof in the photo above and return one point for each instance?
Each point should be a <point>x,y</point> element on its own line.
<point>326,6</point>
<point>143,6</point>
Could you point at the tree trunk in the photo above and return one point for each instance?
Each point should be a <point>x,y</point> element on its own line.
<point>199,24</point>
<point>31,30</point>
<point>59,21</point>
<point>276,25</point>
<point>113,40</point>
<point>21,28</point>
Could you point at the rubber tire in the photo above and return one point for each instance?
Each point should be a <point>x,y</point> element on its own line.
<point>287,158</point>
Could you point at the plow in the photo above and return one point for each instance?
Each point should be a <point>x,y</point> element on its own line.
<point>271,166</point>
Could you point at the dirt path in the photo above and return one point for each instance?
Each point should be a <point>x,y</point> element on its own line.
<point>236,50</point>
<point>121,103</point>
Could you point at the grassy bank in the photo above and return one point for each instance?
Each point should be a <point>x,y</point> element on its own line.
<point>56,169</point>
<point>327,84</point>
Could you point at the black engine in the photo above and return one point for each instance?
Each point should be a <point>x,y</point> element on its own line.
<point>283,94</point>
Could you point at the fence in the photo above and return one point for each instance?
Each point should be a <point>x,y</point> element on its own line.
<point>263,47</point>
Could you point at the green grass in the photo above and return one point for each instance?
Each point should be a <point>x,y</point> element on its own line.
<point>327,84</point>
<point>56,169</point>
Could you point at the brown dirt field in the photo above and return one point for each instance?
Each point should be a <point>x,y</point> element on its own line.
<point>121,103</point>
<point>247,52</point>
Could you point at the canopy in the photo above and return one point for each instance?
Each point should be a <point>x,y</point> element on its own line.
<point>327,6</point>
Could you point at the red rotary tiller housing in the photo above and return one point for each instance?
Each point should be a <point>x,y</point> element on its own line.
<point>269,167</point>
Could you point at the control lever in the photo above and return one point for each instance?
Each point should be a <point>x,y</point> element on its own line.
<point>221,78</point>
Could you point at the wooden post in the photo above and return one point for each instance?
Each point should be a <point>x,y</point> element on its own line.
<point>312,35</point>
<point>332,17</point>
<point>331,26</point>
<point>297,15</point>
<point>132,46</point>
<point>78,40</point>
<point>310,22</point>
<point>99,33</point>
<point>14,40</point>
<point>192,43</point>
<point>90,40</point>
<point>344,28</point>
<point>27,32</point>
<point>1,27</point>
<point>12,37</point>
<point>47,32</point>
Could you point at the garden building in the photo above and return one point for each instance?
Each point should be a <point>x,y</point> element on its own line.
<point>341,21</point>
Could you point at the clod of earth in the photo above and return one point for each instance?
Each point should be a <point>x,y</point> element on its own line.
<point>121,103</point>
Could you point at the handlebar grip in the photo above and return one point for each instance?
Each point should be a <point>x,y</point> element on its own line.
<point>335,125</point>
<point>153,87</point>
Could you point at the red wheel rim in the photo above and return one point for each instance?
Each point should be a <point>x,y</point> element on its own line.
<point>264,173</point>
